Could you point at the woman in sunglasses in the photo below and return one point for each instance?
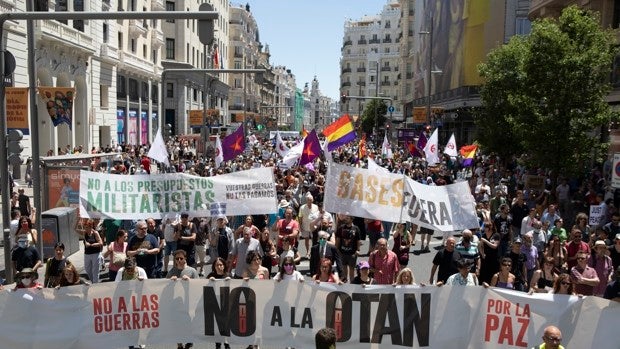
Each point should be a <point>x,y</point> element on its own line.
<point>288,271</point>
<point>563,285</point>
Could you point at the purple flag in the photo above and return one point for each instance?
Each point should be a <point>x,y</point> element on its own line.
<point>312,149</point>
<point>233,144</point>
<point>419,153</point>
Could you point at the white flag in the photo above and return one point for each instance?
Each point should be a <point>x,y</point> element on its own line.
<point>293,154</point>
<point>327,153</point>
<point>450,149</point>
<point>386,150</point>
<point>158,149</point>
<point>372,166</point>
<point>219,154</point>
<point>431,149</point>
<point>281,148</point>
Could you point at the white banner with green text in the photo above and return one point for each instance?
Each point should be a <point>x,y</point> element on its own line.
<point>158,196</point>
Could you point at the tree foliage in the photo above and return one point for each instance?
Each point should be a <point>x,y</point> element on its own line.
<point>544,93</point>
<point>375,108</point>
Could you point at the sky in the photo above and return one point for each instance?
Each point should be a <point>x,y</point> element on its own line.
<point>306,35</point>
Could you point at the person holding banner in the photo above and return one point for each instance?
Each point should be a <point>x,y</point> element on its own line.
<point>463,277</point>
<point>326,273</point>
<point>185,236</point>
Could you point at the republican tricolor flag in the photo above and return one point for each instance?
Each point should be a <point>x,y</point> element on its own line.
<point>468,152</point>
<point>339,133</point>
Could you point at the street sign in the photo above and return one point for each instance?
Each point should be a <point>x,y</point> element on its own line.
<point>391,109</point>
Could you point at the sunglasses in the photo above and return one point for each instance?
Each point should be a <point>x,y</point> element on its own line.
<point>581,258</point>
<point>179,259</point>
<point>565,283</point>
<point>507,265</point>
<point>285,264</point>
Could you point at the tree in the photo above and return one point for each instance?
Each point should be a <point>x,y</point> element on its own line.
<point>376,108</point>
<point>544,93</point>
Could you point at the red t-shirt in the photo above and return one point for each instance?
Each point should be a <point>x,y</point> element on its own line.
<point>286,228</point>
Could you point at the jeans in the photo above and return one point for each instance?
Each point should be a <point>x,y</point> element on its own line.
<point>91,266</point>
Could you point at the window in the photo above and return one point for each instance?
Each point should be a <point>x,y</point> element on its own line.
<point>154,57</point>
<point>523,26</point>
<point>120,41</point>
<point>132,5</point>
<point>61,6</point>
<point>154,93</point>
<point>133,46</point>
<point>121,89</point>
<point>170,48</point>
<point>387,24</point>
<point>104,101</point>
<point>145,91</point>
<point>195,94</point>
<point>133,89</point>
<point>169,90</point>
<point>170,8</point>
<point>237,65</point>
<point>145,54</point>
<point>120,7</point>
<point>78,24</point>
<point>106,38</point>
<point>41,5</point>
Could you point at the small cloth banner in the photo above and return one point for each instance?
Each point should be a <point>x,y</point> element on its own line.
<point>159,196</point>
<point>268,313</point>
<point>59,104</point>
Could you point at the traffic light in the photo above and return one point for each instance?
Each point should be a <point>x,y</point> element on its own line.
<point>15,147</point>
<point>205,26</point>
<point>343,99</point>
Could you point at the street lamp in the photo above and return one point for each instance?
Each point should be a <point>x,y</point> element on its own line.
<point>430,71</point>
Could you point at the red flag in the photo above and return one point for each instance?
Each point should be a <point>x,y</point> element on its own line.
<point>303,133</point>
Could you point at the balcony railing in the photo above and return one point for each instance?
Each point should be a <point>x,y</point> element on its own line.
<point>347,43</point>
<point>157,38</point>
<point>387,40</point>
<point>136,28</point>
<point>374,41</point>
<point>384,68</point>
<point>362,42</point>
<point>361,70</point>
<point>346,84</point>
<point>385,83</point>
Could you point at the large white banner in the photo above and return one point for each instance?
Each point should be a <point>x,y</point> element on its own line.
<point>112,315</point>
<point>396,198</point>
<point>159,195</point>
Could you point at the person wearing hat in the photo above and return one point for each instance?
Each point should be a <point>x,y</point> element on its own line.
<point>27,278</point>
<point>363,274</point>
<point>25,255</point>
<point>518,265</point>
<point>601,262</point>
<point>282,206</point>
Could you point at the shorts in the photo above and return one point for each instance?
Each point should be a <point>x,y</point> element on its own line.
<point>305,234</point>
<point>349,260</point>
<point>170,247</point>
<point>424,230</point>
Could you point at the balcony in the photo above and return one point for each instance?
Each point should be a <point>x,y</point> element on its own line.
<point>361,83</point>
<point>361,70</point>
<point>346,70</point>
<point>132,61</point>
<point>395,82</point>
<point>546,8</point>
<point>158,5</point>
<point>109,53</point>
<point>384,68</point>
<point>347,43</point>
<point>385,83</point>
<point>137,28</point>
<point>238,54</point>
<point>346,84</point>
<point>157,38</point>
<point>362,42</point>
<point>374,41</point>
<point>387,41</point>
<point>58,33</point>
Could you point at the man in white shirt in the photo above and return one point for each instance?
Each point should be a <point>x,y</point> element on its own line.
<point>308,213</point>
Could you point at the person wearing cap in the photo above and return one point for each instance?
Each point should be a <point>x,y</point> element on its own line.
<point>221,238</point>
<point>574,246</point>
<point>308,213</point>
<point>25,255</point>
<point>27,278</point>
<point>612,291</point>
<point>518,265</point>
<point>601,262</point>
<point>363,275</point>
<point>282,206</point>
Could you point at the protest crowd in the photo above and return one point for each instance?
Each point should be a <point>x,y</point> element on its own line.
<point>535,233</point>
